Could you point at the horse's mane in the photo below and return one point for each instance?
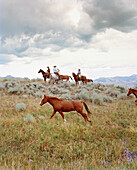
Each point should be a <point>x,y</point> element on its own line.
<point>42,71</point>
<point>51,97</point>
<point>133,89</point>
<point>74,74</point>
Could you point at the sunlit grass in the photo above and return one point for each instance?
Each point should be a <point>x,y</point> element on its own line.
<point>76,144</point>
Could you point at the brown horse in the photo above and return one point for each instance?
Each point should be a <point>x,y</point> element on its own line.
<point>44,74</point>
<point>66,106</point>
<point>89,80</point>
<point>134,92</point>
<point>65,77</point>
<point>83,79</point>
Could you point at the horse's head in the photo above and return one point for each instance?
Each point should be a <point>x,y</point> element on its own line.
<point>39,71</point>
<point>73,74</point>
<point>44,100</point>
<point>129,92</point>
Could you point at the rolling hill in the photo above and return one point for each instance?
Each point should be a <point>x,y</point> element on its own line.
<point>123,81</point>
<point>127,81</point>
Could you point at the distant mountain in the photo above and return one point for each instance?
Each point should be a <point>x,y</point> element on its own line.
<point>126,81</point>
<point>9,76</point>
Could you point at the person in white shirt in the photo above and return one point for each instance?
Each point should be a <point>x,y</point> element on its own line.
<point>56,70</point>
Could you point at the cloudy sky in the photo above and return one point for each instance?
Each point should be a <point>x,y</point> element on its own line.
<point>98,36</point>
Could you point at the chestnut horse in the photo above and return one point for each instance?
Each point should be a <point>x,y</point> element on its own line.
<point>89,80</point>
<point>53,77</point>
<point>83,79</point>
<point>134,92</point>
<point>65,106</point>
<point>44,74</point>
<point>65,77</point>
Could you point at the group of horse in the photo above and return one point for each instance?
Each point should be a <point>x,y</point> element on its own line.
<point>60,105</point>
<point>56,78</point>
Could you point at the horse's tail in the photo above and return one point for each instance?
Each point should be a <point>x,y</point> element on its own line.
<point>86,107</point>
<point>71,77</point>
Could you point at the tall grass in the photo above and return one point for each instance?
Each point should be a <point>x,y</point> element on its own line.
<point>53,144</point>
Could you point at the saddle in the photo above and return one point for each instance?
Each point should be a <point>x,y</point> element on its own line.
<point>79,78</point>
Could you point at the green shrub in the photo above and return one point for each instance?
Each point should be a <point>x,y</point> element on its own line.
<point>98,99</point>
<point>20,107</point>
<point>84,94</point>
<point>29,118</point>
<point>39,94</point>
<point>122,96</point>
<point>122,89</point>
<point>107,99</point>
<point>2,86</point>
<point>66,96</point>
<point>16,90</point>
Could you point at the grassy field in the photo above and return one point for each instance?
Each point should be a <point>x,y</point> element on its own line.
<point>53,144</point>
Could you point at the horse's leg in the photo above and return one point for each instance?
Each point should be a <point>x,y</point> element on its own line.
<point>60,111</point>
<point>85,116</point>
<point>45,79</point>
<point>79,110</point>
<point>53,114</point>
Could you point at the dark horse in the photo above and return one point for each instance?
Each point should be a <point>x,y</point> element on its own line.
<point>134,92</point>
<point>76,78</point>
<point>66,106</point>
<point>44,74</point>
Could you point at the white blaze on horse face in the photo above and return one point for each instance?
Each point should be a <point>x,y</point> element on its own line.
<point>41,102</point>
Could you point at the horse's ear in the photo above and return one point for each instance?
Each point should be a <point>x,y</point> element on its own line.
<point>44,96</point>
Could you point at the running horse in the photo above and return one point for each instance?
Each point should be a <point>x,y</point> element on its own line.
<point>65,77</point>
<point>44,74</point>
<point>76,78</point>
<point>61,106</point>
<point>134,92</point>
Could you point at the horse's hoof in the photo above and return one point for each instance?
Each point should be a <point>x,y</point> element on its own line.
<point>90,122</point>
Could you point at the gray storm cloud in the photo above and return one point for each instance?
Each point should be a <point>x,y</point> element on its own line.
<point>46,24</point>
<point>36,17</point>
<point>119,15</point>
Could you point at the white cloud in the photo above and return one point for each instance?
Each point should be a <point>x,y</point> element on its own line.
<point>6,58</point>
<point>98,36</point>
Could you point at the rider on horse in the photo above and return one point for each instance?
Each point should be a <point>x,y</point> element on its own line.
<point>48,71</point>
<point>56,71</point>
<point>79,74</point>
